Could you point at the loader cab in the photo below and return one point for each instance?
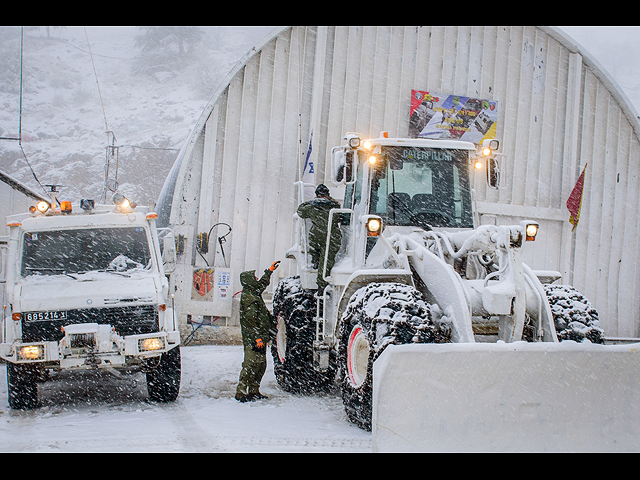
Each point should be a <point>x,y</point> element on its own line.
<point>410,182</point>
<point>421,187</point>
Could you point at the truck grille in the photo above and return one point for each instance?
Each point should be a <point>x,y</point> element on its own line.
<point>131,320</point>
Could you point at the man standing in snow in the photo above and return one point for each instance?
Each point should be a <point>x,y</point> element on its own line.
<point>256,323</point>
<point>318,211</point>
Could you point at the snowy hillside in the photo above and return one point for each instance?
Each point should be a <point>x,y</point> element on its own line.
<point>152,97</point>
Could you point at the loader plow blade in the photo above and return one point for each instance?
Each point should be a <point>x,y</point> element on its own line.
<point>507,397</point>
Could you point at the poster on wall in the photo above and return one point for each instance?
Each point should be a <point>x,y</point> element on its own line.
<point>435,115</point>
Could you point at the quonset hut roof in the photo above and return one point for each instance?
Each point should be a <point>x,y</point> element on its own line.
<point>558,110</point>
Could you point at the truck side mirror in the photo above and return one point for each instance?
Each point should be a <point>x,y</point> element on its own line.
<point>342,165</point>
<point>169,252</point>
<point>493,172</point>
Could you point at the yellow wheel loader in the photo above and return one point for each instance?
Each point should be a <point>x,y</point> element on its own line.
<point>438,335</point>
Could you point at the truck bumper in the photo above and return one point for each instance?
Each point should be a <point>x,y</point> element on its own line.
<point>91,346</point>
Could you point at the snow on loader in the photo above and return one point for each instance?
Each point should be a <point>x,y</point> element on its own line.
<point>416,277</point>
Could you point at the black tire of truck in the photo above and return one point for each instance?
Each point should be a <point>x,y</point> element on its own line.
<point>163,379</point>
<point>294,310</point>
<point>361,333</point>
<point>573,315</point>
<point>22,386</point>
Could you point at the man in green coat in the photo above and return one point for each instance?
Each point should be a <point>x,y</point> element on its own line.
<point>317,210</point>
<point>256,323</point>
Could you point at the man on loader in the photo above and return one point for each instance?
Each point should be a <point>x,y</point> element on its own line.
<point>256,324</point>
<point>318,211</point>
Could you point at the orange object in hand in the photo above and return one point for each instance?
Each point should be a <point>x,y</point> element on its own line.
<point>274,265</point>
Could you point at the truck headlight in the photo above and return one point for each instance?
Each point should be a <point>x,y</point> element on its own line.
<point>30,352</point>
<point>120,201</point>
<point>42,206</point>
<point>123,203</point>
<point>150,344</point>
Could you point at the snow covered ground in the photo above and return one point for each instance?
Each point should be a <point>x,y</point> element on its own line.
<point>85,413</point>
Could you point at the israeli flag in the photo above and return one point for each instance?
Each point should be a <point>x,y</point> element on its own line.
<point>308,176</point>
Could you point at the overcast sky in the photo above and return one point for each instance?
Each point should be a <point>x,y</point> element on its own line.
<point>617,49</point>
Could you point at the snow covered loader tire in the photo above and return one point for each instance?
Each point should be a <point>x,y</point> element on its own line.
<point>573,315</point>
<point>376,316</point>
<point>292,349</point>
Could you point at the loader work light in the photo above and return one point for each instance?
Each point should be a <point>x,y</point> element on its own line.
<point>367,144</point>
<point>374,226</point>
<point>531,231</point>
<point>489,146</point>
<point>372,159</point>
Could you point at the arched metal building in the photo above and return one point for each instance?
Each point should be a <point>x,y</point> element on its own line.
<point>558,111</point>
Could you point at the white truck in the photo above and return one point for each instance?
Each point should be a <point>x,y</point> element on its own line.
<point>427,311</point>
<point>85,288</point>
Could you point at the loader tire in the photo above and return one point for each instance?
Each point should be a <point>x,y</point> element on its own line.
<point>294,309</point>
<point>22,387</point>
<point>376,316</point>
<point>573,315</point>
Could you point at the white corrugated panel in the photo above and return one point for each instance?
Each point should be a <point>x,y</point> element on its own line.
<point>557,111</point>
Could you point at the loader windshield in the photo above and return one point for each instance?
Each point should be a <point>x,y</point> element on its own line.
<point>69,252</point>
<point>423,186</point>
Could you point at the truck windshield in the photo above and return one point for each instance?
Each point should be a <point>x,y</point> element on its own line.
<point>59,252</point>
<point>423,186</point>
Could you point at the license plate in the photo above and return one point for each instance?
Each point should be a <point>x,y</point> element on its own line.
<point>45,316</point>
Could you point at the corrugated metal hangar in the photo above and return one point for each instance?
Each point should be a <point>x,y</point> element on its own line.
<point>554,111</point>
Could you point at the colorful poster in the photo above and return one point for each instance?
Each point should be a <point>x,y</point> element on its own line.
<point>435,115</point>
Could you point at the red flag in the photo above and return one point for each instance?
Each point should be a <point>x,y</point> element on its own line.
<point>574,203</point>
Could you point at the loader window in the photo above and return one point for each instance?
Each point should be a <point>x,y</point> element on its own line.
<point>423,186</point>
<point>68,252</point>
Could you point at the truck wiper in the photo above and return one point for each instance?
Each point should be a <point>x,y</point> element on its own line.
<point>104,270</point>
<point>50,269</point>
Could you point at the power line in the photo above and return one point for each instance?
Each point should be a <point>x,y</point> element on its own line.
<point>19,138</point>
<point>97,83</point>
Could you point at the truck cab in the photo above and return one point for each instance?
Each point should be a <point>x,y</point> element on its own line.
<point>85,288</point>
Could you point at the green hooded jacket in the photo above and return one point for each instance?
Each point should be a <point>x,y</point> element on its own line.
<point>255,319</point>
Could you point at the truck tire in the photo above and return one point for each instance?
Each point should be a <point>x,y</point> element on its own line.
<point>573,315</point>
<point>163,380</point>
<point>22,387</point>
<point>294,309</point>
<point>376,316</point>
